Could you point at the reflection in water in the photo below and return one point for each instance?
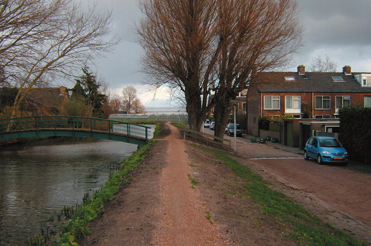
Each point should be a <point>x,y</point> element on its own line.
<point>38,179</point>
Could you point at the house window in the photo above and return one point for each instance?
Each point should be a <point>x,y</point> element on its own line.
<point>289,78</point>
<point>332,129</point>
<point>337,79</point>
<point>271,102</point>
<point>366,81</point>
<point>341,102</point>
<point>323,102</point>
<point>293,104</point>
<point>367,101</point>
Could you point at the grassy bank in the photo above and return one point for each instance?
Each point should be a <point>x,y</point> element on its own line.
<point>307,228</point>
<point>77,228</point>
<point>78,217</point>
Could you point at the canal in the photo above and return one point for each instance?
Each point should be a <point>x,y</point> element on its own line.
<point>38,179</point>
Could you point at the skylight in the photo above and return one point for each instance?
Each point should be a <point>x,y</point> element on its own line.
<point>290,78</point>
<point>337,79</point>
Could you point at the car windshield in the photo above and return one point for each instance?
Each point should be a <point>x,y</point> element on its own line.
<point>329,143</point>
<point>232,127</point>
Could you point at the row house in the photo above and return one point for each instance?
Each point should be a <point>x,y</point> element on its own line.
<point>313,99</point>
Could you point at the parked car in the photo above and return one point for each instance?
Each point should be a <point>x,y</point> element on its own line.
<point>229,130</point>
<point>207,124</point>
<point>325,149</point>
<point>212,126</point>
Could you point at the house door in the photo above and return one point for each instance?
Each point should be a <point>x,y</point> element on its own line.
<point>305,136</point>
<point>289,134</point>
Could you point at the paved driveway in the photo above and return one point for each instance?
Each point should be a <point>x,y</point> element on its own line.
<point>344,188</point>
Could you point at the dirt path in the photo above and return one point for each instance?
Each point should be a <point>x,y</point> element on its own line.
<point>183,215</point>
<point>158,206</point>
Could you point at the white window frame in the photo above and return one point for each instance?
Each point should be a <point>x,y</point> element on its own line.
<point>343,98</point>
<point>367,101</point>
<point>271,102</point>
<point>337,79</point>
<point>366,81</point>
<point>290,79</point>
<point>322,102</point>
<point>289,104</point>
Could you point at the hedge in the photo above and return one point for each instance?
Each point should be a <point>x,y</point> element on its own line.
<point>355,133</point>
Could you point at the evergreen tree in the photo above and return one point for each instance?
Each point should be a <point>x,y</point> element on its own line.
<point>87,87</point>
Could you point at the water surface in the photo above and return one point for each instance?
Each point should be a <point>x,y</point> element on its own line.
<point>39,179</point>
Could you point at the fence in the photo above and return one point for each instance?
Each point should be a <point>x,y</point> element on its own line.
<point>207,139</point>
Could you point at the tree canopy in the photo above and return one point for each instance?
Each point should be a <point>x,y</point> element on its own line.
<point>87,88</point>
<point>41,40</point>
<point>211,49</point>
<point>131,102</point>
<point>322,64</point>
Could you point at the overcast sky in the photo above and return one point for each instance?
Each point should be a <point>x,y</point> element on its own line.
<point>340,29</point>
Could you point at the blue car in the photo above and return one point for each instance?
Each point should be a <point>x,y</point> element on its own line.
<point>325,149</point>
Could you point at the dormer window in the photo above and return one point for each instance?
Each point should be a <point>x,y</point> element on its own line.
<point>363,79</point>
<point>366,81</point>
<point>289,78</point>
<point>337,79</point>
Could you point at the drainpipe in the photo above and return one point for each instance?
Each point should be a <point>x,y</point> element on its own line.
<point>312,105</point>
<point>261,104</point>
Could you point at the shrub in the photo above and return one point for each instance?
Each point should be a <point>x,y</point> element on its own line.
<point>355,133</point>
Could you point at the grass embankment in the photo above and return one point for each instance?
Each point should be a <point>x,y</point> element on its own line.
<point>76,228</point>
<point>77,219</point>
<point>307,228</point>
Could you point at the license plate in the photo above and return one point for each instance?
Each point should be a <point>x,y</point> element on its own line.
<point>338,158</point>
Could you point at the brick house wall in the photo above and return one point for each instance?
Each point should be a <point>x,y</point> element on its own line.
<point>306,85</point>
<point>308,106</point>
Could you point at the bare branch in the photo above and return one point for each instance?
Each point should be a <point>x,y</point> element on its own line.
<point>204,46</point>
<point>323,64</point>
<point>48,38</point>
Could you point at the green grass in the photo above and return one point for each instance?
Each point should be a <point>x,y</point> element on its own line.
<point>76,228</point>
<point>307,228</point>
<point>158,131</point>
<point>180,125</point>
<point>194,181</point>
<point>208,217</point>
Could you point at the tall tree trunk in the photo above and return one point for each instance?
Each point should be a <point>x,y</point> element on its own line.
<point>221,114</point>
<point>195,117</point>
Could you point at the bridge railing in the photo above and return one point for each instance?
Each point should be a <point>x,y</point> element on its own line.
<point>74,123</point>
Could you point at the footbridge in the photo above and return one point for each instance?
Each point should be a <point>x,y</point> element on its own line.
<point>75,126</point>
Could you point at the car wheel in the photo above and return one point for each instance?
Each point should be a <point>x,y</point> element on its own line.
<point>319,159</point>
<point>306,157</point>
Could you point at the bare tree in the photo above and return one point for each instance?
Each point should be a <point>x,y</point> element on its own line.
<point>207,47</point>
<point>43,39</point>
<point>111,106</point>
<point>138,107</point>
<point>115,104</point>
<point>323,64</point>
<point>131,103</point>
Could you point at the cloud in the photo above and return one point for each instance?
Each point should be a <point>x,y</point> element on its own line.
<point>337,28</point>
<point>150,97</point>
<point>340,29</point>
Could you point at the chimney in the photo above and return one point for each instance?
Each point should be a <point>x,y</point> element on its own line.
<point>301,70</point>
<point>347,70</point>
